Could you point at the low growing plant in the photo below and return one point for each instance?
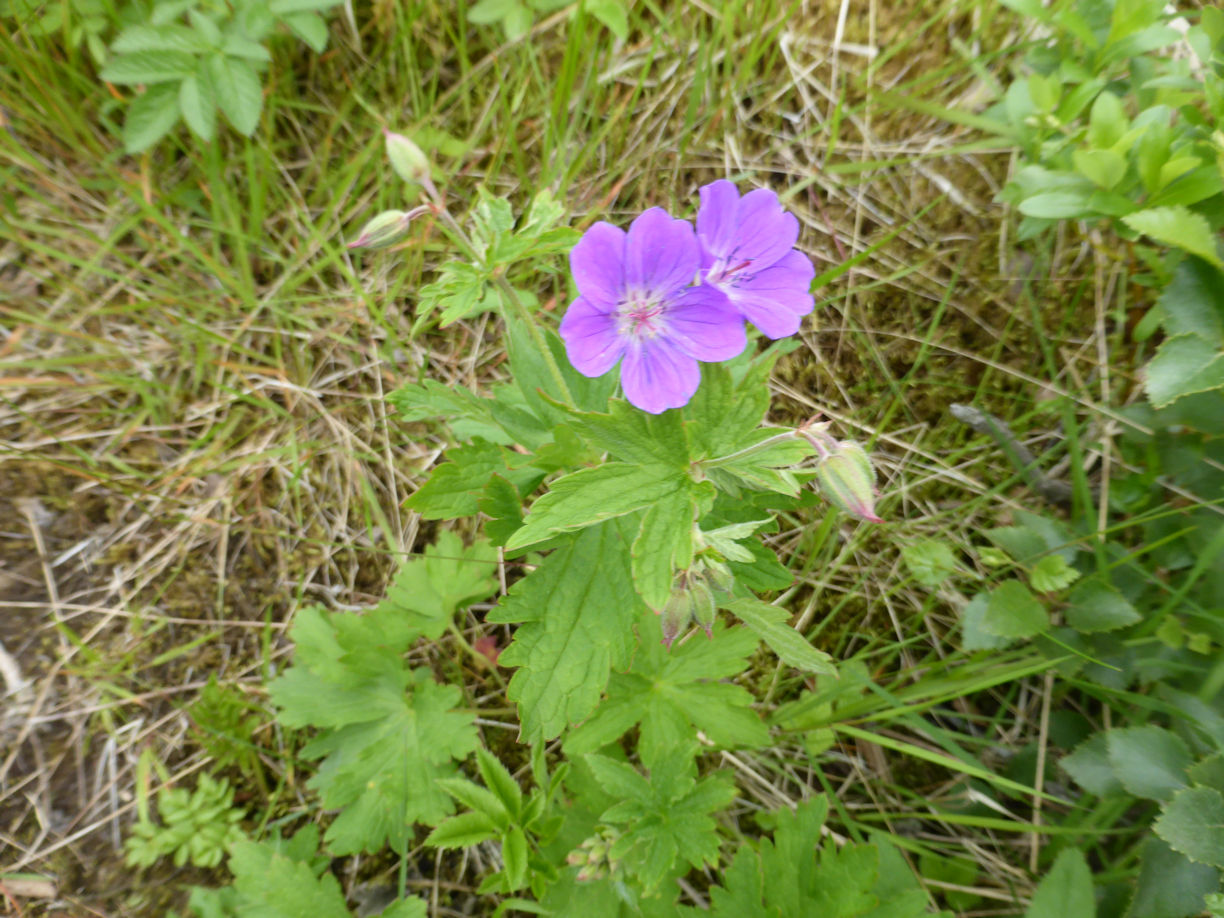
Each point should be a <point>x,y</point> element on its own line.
<point>194,58</point>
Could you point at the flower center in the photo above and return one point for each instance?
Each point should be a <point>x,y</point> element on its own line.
<point>641,316</point>
<point>727,271</point>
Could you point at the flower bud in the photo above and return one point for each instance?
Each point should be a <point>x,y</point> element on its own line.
<point>387,228</point>
<point>719,576</point>
<point>847,480</point>
<point>407,159</point>
<point>704,608</point>
<point>676,614</point>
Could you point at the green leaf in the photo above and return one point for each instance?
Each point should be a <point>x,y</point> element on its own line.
<point>1182,366</point>
<point>612,14</point>
<point>1104,168</point>
<point>170,37</point>
<point>455,488</point>
<point>666,819</point>
<point>1096,606</point>
<point>1058,205</point>
<point>428,589</point>
<point>1066,890</point>
<point>673,694</point>
<point>1013,612</point>
<point>1193,302</point>
<point>973,629</point>
<point>406,908</point>
<point>1052,573</point>
<point>1107,122</point>
<point>238,92</point>
<point>1150,761</point>
<point>382,773</point>
<point>273,885</point>
<point>577,611</point>
<point>664,543</point>
<point>150,117</point>
<point>930,561</point>
<point>478,799</point>
<point>309,28</point>
<point>458,291</point>
<point>589,496</point>
<point>726,539</point>
<point>514,856</point>
<point>199,106</point>
<point>499,780</point>
<point>1088,765</point>
<point>462,831</point>
<point>1193,823</point>
<point>239,46</point>
<point>503,505</point>
<point>288,7</point>
<point>770,624</point>
<point>724,412</point>
<point>1170,885</point>
<point>635,436</point>
<point>1179,227</point>
<point>149,67</point>
<point>388,733</point>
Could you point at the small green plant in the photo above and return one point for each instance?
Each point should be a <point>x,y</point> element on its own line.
<point>1115,127</point>
<point>198,826</point>
<point>195,57</point>
<point>225,721</point>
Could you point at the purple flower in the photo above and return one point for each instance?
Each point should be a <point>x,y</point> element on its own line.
<point>747,252</point>
<point>635,304</point>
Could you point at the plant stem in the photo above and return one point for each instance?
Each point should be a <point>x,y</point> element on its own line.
<point>749,450</point>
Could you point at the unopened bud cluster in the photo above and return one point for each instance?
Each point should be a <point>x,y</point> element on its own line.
<point>593,857</point>
<point>692,598</point>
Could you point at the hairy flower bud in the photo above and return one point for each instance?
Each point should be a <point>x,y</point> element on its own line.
<point>592,856</point>
<point>705,610</point>
<point>383,230</point>
<point>407,159</point>
<point>718,576</point>
<point>847,480</point>
<point>676,614</point>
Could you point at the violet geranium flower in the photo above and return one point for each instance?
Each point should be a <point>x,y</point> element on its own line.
<point>635,306</point>
<point>747,252</point>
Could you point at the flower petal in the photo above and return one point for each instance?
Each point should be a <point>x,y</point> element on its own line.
<point>598,264</point>
<point>704,324</point>
<point>591,340</point>
<point>717,218</point>
<point>657,376</point>
<point>660,254</point>
<point>774,299</point>
<point>765,232</point>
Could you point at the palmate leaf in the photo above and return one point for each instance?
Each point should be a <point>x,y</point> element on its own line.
<point>575,613</point>
<point>667,819</point>
<point>675,693</point>
<point>429,588</point>
<point>271,884</point>
<point>455,487</point>
<point>382,773</point>
<point>783,876</point>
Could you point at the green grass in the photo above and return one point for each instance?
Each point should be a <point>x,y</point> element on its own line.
<point>193,371</point>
